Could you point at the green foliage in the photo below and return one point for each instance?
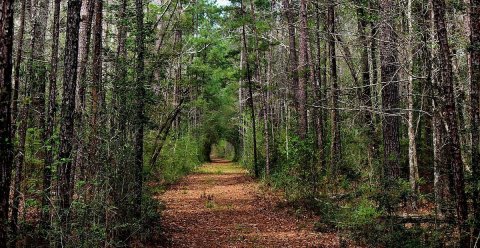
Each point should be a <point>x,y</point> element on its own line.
<point>178,158</point>
<point>223,149</point>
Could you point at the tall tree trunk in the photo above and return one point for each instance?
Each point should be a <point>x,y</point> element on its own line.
<point>16,115</point>
<point>140,104</point>
<point>50,119</point>
<point>336,142</point>
<point>96,88</point>
<point>18,62</point>
<point>304,70</point>
<point>35,89</point>
<point>412,146</point>
<point>318,114</point>
<point>38,67</point>
<point>68,109</point>
<point>85,31</point>
<point>6,144</point>
<point>250,93</point>
<point>366,95</point>
<point>121,71</point>
<point>292,46</point>
<point>441,168</point>
<point>390,96</point>
<point>84,51</point>
<point>475,108</point>
<point>449,118</point>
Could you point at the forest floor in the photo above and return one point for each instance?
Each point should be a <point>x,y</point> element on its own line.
<point>220,205</point>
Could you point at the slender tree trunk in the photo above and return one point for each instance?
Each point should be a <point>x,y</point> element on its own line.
<point>96,88</point>
<point>85,31</point>
<point>304,70</point>
<point>293,57</point>
<point>140,104</point>
<point>319,116</point>
<point>475,108</point>
<point>84,51</point>
<point>18,62</point>
<point>22,115</point>
<point>38,66</point>
<point>35,89</point>
<point>449,118</point>
<point>373,4</point>
<point>412,146</point>
<point>336,142</point>
<point>121,71</point>
<point>366,95</point>
<point>250,93</point>
<point>50,119</point>
<point>68,109</point>
<point>6,144</point>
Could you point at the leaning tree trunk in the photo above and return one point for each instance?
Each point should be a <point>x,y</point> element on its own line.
<point>449,118</point>
<point>6,144</point>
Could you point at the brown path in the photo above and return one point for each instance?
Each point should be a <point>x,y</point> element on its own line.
<point>221,206</point>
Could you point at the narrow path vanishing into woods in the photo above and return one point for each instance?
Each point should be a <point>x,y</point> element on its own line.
<point>222,206</point>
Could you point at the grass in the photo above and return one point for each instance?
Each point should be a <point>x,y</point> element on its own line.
<point>221,168</point>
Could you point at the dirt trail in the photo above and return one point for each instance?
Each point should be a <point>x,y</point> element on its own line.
<point>221,206</point>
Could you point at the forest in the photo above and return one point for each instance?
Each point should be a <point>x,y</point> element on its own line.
<point>240,123</point>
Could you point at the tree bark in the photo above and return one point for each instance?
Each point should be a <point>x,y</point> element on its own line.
<point>140,104</point>
<point>412,146</point>
<point>336,142</point>
<point>449,118</point>
<point>84,51</point>
<point>96,87</point>
<point>475,108</point>
<point>304,70</point>
<point>68,109</point>
<point>6,144</point>
<point>292,46</point>
<point>50,119</point>
<point>318,112</point>
<point>390,96</point>
<point>250,93</point>
<point>18,62</point>
<point>366,94</point>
